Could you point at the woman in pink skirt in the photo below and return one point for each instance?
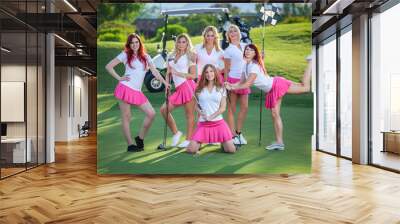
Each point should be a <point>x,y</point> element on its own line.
<point>233,58</point>
<point>182,68</point>
<point>209,52</point>
<point>274,87</point>
<point>128,90</point>
<point>211,127</point>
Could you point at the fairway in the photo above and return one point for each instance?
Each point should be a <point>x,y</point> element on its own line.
<point>286,47</point>
<point>296,158</point>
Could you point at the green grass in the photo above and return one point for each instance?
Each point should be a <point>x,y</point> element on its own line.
<point>296,113</point>
<point>286,46</point>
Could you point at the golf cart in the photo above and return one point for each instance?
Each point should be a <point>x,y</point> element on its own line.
<point>154,85</point>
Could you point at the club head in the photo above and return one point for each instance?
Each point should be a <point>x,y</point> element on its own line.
<point>162,147</point>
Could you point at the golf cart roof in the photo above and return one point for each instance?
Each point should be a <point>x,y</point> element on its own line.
<point>194,10</point>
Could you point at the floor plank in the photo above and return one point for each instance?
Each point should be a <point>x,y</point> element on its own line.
<point>70,191</point>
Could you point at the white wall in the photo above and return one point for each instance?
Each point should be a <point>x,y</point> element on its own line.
<point>71,94</point>
<point>61,103</point>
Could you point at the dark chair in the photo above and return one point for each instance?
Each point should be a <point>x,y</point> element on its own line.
<point>84,130</point>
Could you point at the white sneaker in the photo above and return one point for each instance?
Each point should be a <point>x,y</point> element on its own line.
<point>236,140</point>
<point>309,58</point>
<point>184,144</point>
<point>175,138</point>
<point>275,146</point>
<point>242,139</point>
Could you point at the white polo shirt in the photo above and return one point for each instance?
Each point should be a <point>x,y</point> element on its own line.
<point>235,54</point>
<point>210,102</point>
<point>215,58</point>
<point>262,81</point>
<point>136,73</point>
<point>182,65</point>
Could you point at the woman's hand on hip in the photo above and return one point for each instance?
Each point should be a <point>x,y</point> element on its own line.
<point>124,78</point>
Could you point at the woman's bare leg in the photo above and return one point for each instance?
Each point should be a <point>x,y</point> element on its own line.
<point>276,119</point>
<point>244,107</point>
<point>229,146</point>
<point>150,115</point>
<point>126,120</point>
<point>231,111</point>
<point>305,85</point>
<point>189,113</point>
<point>171,122</point>
<point>193,147</point>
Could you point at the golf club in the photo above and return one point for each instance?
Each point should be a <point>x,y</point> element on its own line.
<point>163,145</point>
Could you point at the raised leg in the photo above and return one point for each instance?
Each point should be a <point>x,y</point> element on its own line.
<point>305,85</point>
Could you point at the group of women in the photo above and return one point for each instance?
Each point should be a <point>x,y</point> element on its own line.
<point>207,79</point>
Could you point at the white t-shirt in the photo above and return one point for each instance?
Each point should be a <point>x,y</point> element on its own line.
<point>216,58</point>
<point>262,81</point>
<point>235,54</point>
<point>210,102</point>
<point>182,65</point>
<point>136,73</point>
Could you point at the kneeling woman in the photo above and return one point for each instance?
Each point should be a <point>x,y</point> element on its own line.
<point>211,127</point>
<point>274,87</point>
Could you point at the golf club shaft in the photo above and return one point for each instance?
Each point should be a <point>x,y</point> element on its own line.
<point>167,118</point>
<point>261,92</point>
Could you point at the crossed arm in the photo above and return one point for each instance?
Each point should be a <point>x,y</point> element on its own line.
<point>221,110</point>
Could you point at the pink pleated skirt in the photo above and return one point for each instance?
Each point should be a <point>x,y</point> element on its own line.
<point>279,88</point>
<point>238,91</point>
<point>183,93</point>
<point>128,95</point>
<point>212,132</point>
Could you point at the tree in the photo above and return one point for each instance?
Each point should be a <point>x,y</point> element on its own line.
<point>126,12</point>
<point>196,23</point>
<point>232,9</point>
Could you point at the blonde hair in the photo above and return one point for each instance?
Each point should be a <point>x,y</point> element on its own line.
<point>216,40</point>
<point>189,49</point>
<point>233,26</point>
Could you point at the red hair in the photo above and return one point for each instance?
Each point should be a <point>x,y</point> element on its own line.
<point>141,52</point>
<point>257,58</point>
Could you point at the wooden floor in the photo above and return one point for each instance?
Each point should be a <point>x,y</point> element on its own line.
<point>387,159</point>
<point>69,191</point>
